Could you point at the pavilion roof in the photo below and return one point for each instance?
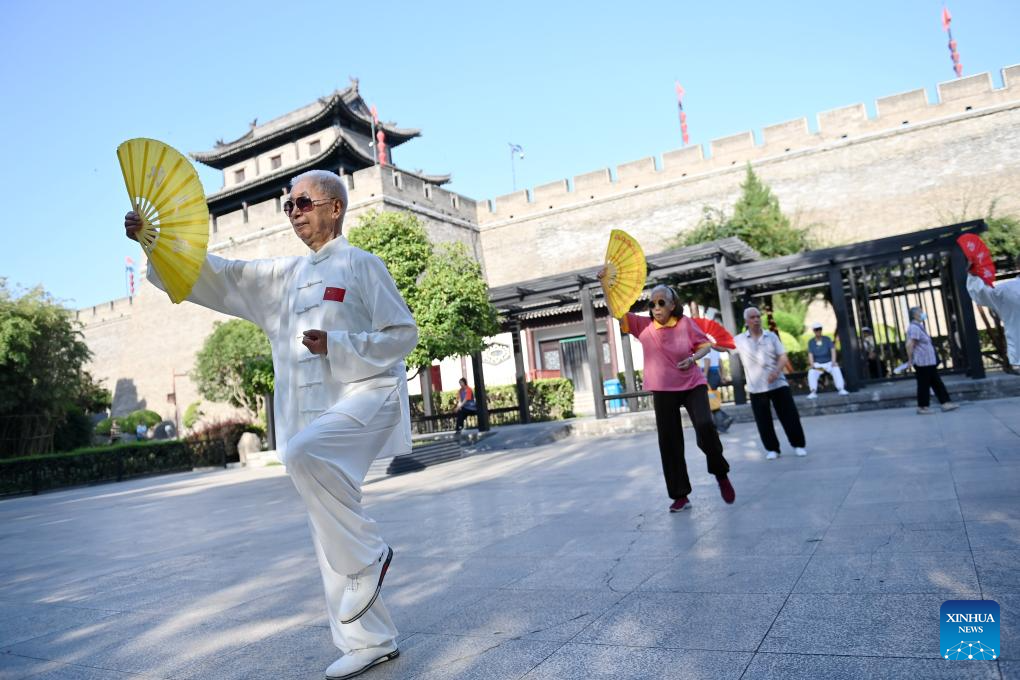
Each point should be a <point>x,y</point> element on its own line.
<point>343,108</point>
<point>347,144</point>
<point>558,293</point>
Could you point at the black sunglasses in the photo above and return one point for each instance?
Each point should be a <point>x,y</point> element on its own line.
<point>652,304</point>
<point>303,204</point>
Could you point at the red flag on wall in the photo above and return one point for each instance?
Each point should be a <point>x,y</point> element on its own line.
<point>947,19</point>
<point>680,106</point>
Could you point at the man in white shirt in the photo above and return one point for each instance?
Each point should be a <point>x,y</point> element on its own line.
<point>763,357</point>
<point>1004,298</point>
<point>339,332</point>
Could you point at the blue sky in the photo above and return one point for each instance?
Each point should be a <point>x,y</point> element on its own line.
<point>578,89</point>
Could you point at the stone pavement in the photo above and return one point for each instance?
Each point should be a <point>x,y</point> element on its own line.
<point>552,562</point>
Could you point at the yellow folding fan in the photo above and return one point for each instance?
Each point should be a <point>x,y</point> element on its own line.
<point>625,272</point>
<point>165,191</point>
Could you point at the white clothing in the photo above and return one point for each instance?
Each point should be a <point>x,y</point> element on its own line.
<point>1005,300</point>
<point>334,413</point>
<point>760,357</point>
<point>327,462</point>
<point>713,358</point>
<point>369,332</point>
<point>816,370</point>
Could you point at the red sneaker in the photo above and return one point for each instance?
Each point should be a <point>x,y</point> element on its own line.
<point>680,505</point>
<point>726,489</point>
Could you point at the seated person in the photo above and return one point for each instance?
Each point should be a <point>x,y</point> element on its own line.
<point>822,352</point>
<point>465,404</point>
<point>869,351</point>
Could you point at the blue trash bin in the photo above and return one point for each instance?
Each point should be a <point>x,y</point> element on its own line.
<point>614,387</point>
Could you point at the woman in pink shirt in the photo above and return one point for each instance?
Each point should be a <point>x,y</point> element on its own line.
<point>673,345</point>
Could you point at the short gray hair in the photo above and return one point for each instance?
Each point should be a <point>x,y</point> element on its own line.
<point>747,312</point>
<point>913,311</point>
<point>329,183</point>
<point>670,293</point>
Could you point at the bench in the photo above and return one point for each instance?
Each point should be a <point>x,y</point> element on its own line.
<point>425,456</point>
<point>446,422</point>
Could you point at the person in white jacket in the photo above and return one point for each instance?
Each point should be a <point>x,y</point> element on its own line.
<point>339,332</point>
<point>1004,298</point>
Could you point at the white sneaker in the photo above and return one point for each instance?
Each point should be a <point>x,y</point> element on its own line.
<point>800,451</point>
<point>363,588</point>
<point>844,393</point>
<point>771,455</point>
<point>358,661</point>
<point>813,395</point>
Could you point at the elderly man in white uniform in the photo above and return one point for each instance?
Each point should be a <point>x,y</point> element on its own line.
<point>1004,298</point>
<point>339,331</point>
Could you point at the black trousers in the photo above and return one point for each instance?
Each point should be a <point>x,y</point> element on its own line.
<point>928,378</point>
<point>462,415</point>
<point>671,437</point>
<point>782,400</point>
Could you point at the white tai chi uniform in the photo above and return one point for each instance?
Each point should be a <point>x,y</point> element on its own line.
<point>1005,300</point>
<point>816,370</point>
<point>334,413</point>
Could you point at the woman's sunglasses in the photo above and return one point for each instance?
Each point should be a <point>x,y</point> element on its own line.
<point>303,204</point>
<point>652,304</point>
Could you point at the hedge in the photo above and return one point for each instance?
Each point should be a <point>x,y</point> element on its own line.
<point>33,474</point>
<point>551,399</point>
<point>129,422</point>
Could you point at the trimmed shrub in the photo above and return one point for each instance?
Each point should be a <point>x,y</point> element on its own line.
<point>192,414</point>
<point>143,416</point>
<point>550,399</point>
<point>104,426</point>
<point>106,463</point>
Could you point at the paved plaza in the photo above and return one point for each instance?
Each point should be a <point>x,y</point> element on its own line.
<point>550,562</point>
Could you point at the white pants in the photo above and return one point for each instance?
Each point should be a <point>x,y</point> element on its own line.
<point>828,367</point>
<point>328,461</point>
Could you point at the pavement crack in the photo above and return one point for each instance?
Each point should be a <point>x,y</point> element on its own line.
<point>559,623</point>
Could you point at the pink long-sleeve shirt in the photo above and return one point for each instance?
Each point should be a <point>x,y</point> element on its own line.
<point>664,347</point>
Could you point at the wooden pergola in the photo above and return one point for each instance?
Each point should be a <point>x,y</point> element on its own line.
<point>740,276</point>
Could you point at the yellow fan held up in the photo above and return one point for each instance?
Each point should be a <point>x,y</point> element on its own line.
<point>625,272</point>
<point>166,193</point>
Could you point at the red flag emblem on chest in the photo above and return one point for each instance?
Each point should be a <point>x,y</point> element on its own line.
<point>334,294</point>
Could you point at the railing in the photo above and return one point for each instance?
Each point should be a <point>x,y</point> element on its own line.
<point>641,400</point>
<point>446,422</point>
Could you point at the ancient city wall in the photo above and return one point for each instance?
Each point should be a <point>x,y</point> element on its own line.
<point>914,165</point>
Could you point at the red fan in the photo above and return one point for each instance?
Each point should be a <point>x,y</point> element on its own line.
<point>716,332</point>
<point>980,258</point>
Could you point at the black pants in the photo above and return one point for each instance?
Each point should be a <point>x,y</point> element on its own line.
<point>671,437</point>
<point>928,378</point>
<point>782,400</point>
<point>462,414</point>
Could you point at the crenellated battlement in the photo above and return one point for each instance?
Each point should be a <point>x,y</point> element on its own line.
<point>894,113</point>
<point>371,183</point>
<point>105,312</point>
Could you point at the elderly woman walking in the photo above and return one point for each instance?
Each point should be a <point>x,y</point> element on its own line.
<point>921,356</point>
<point>672,346</point>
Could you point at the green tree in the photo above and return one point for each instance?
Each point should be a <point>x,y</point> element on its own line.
<point>442,286</point>
<point>223,367</point>
<point>400,240</point>
<point>757,220</point>
<point>1003,237</point>
<point>42,374</point>
<point>452,307</point>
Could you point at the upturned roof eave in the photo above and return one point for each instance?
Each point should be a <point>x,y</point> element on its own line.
<point>247,144</point>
